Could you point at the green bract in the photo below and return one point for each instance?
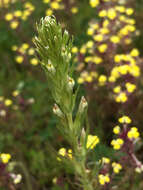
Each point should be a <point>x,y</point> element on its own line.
<point>54,48</point>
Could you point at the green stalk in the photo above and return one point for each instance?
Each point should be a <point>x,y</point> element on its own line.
<point>54,48</point>
<point>26,174</point>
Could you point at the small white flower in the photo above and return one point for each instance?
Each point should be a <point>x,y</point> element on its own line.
<point>71,83</point>
<point>57,110</point>
<point>50,67</point>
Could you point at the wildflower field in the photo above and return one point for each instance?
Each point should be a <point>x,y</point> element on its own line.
<point>71,95</point>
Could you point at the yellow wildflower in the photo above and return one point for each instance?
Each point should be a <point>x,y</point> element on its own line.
<point>129,11</point>
<point>18,13</point>
<point>124,119</point>
<point>8,102</point>
<point>34,61</point>
<point>92,141</point>
<point>116,167</point>
<point>133,133</point>
<point>116,130</point>
<point>90,31</point>
<point>15,93</point>
<point>105,160</point>
<point>130,87</point>
<point>117,143</point>
<point>102,13</point>
<point>115,39</point>
<point>5,158</point>
<point>102,79</point>
<point>111,14</point>
<point>104,179</point>
<point>19,59</point>
<point>98,37</point>
<point>49,12</point>
<point>89,44</point>
<point>8,16</point>
<point>94,3</point>
<point>102,48</point>
<point>97,60</point>
<point>31,51</point>
<point>134,52</point>
<point>80,80</point>
<point>55,5</point>
<point>117,89</point>
<point>122,97</point>
<point>74,49</point>
<point>74,10</point>
<point>14,24</point>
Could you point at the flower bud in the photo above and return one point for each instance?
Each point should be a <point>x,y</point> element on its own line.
<point>49,19</point>
<point>69,56</point>
<point>57,110</point>
<point>83,104</point>
<point>71,83</point>
<point>83,133</point>
<point>50,67</point>
<point>139,169</point>
<point>82,139</point>
<point>66,33</point>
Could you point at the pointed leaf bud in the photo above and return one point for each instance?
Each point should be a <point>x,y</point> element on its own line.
<point>57,110</point>
<point>71,83</point>
<point>83,104</point>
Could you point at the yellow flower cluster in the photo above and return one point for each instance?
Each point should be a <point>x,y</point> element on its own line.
<point>92,141</point>
<point>5,158</point>
<point>74,49</point>
<point>102,80</point>
<point>53,5</point>
<point>103,179</point>
<point>133,133</point>
<point>104,34</point>
<point>6,103</point>
<point>15,93</point>
<point>102,49</point>
<point>125,119</point>
<point>105,160</point>
<point>65,153</point>
<point>116,130</point>
<point>57,5</point>
<point>122,95</point>
<point>15,16</point>
<point>93,59</point>
<point>22,52</point>
<point>126,65</point>
<point>116,167</point>
<point>6,3</point>
<point>117,144</point>
<point>87,77</point>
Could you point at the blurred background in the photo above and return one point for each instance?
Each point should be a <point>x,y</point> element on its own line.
<point>27,125</point>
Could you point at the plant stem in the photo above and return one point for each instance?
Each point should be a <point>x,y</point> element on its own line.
<point>28,184</point>
<point>81,164</point>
